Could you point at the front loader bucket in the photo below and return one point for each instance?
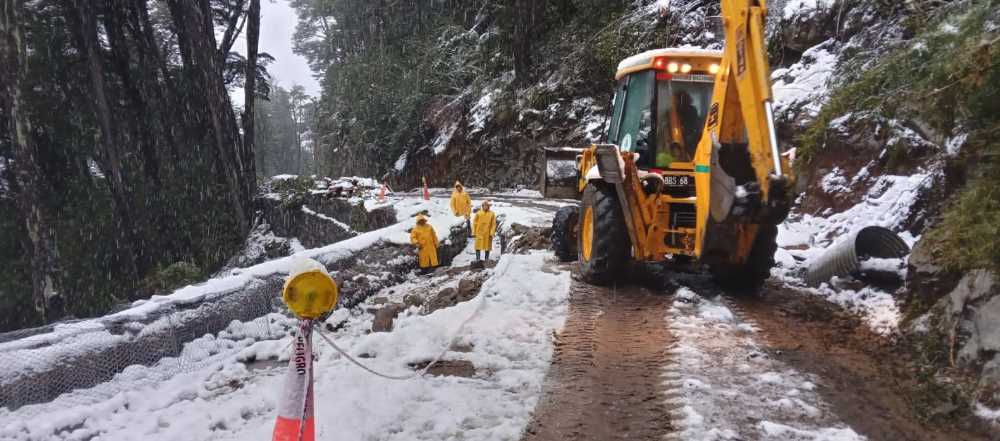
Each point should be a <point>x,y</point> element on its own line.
<point>560,176</point>
<point>844,258</point>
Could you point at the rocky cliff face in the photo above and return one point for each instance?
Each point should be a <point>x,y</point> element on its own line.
<point>874,132</point>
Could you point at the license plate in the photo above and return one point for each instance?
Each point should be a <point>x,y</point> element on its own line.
<point>677,181</point>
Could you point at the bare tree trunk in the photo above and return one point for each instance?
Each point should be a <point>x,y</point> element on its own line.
<point>527,15</point>
<point>196,39</point>
<point>28,182</point>
<point>298,143</point>
<point>110,150</point>
<point>233,27</point>
<point>250,94</point>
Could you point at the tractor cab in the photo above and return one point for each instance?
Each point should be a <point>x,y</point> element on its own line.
<point>660,106</point>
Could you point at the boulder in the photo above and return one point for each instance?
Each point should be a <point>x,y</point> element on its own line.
<point>806,28</point>
<point>413,300</point>
<point>385,316</point>
<point>444,298</point>
<point>467,289</point>
<point>927,280</point>
<point>972,317</point>
<point>518,239</point>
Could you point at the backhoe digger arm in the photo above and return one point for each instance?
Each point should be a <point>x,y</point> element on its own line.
<point>742,103</point>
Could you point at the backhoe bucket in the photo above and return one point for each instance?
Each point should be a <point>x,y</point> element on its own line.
<point>560,176</point>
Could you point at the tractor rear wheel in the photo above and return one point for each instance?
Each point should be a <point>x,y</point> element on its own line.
<point>752,274</point>
<point>565,226</point>
<point>604,243</point>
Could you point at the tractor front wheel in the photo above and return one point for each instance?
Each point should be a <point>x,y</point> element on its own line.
<point>603,241</point>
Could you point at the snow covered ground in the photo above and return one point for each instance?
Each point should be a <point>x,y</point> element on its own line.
<point>509,336</point>
<point>66,341</point>
<point>215,390</point>
<point>720,378</point>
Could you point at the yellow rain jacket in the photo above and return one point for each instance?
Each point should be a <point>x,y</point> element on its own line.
<point>484,227</point>
<point>461,204</point>
<point>423,236</point>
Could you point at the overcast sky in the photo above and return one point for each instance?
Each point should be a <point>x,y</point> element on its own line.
<point>277,24</point>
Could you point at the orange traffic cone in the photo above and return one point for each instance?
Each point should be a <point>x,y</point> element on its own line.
<point>427,192</point>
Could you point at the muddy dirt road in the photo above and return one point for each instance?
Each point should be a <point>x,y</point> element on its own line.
<point>867,381</point>
<point>693,362</point>
<point>604,383</point>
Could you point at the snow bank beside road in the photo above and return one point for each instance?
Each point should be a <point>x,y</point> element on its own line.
<point>509,335</point>
<point>113,342</point>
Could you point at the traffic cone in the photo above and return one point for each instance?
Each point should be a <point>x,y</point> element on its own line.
<point>427,192</point>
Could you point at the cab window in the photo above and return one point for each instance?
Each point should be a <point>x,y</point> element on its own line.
<point>635,125</point>
<point>681,108</point>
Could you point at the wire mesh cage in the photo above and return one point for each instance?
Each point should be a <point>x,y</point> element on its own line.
<point>72,364</point>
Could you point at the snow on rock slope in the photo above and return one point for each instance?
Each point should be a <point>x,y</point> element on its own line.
<point>794,7</point>
<point>888,202</point>
<point>724,386</point>
<point>803,86</point>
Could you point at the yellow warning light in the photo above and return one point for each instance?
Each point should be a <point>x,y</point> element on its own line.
<point>685,68</point>
<point>713,69</point>
<point>672,67</point>
<point>310,294</point>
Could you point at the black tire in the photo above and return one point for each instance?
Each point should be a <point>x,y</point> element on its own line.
<point>564,229</point>
<point>609,240</point>
<point>751,275</point>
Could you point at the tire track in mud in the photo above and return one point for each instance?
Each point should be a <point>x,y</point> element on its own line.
<point>866,382</point>
<point>724,383</point>
<point>605,381</point>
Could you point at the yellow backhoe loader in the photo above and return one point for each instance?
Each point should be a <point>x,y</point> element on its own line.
<point>691,170</point>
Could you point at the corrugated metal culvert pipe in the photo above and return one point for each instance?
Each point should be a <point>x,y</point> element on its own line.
<point>844,258</point>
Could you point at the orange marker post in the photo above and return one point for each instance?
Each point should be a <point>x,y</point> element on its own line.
<point>381,194</point>
<point>295,408</point>
<point>427,192</point>
<point>309,293</point>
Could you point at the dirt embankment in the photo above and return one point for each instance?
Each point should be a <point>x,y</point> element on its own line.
<point>604,382</point>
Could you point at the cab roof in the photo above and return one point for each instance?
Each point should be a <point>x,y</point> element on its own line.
<point>645,60</point>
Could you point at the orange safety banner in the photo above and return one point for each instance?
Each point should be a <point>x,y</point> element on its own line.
<point>295,406</point>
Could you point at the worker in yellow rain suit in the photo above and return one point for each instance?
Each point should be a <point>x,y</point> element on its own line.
<point>425,239</point>
<point>484,227</point>
<point>461,204</point>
